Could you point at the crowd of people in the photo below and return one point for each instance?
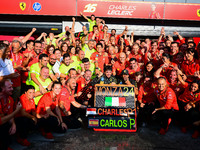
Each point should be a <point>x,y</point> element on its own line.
<point>47,83</point>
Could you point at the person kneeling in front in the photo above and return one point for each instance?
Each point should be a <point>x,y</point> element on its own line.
<point>168,105</point>
<point>48,112</point>
<point>66,99</point>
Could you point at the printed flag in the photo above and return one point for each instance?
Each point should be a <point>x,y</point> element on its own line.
<point>94,122</point>
<point>91,111</point>
<point>115,101</point>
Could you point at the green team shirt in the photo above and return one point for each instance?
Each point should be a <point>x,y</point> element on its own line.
<point>45,84</point>
<point>92,23</point>
<point>61,34</point>
<point>87,51</point>
<point>53,41</point>
<point>92,69</point>
<point>36,69</point>
<point>65,69</point>
<point>76,62</point>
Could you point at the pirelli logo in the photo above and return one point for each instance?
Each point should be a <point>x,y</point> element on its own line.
<point>93,122</point>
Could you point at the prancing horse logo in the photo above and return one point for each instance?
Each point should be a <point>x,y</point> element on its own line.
<point>22,5</point>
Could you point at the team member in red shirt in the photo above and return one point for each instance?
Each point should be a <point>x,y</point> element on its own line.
<point>112,56</point>
<point>99,58</point>
<point>146,99</point>
<point>189,104</point>
<point>149,69</point>
<point>6,108</point>
<point>120,65</point>
<point>153,55</point>
<point>26,120</point>
<point>133,68</point>
<point>190,66</point>
<point>168,104</point>
<point>166,67</point>
<point>174,51</point>
<point>48,112</point>
<point>85,97</point>
<point>66,99</point>
<point>95,34</point>
<point>17,59</point>
<point>135,53</point>
<point>175,81</point>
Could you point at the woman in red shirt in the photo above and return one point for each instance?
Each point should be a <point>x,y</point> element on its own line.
<point>146,99</point>
<point>189,104</point>
<point>190,66</point>
<point>26,120</point>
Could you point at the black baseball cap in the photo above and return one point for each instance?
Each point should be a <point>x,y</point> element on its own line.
<point>125,72</point>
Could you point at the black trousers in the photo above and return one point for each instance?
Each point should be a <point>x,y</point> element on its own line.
<point>4,136</point>
<point>187,118</point>
<point>24,125</point>
<point>71,122</point>
<point>145,113</point>
<point>163,115</point>
<point>50,124</point>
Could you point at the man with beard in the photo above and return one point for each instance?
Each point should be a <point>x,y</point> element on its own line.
<point>6,108</point>
<point>84,89</point>
<point>35,71</point>
<point>133,68</point>
<point>66,99</point>
<point>66,65</point>
<point>32,56</point>
<point>45,81</point>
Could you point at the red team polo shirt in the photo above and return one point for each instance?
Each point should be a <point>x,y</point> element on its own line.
<point>32,60</point>
<point>189,68</point>
<point>146,94</point>
<point>101,59</point>
<point>132,72</point>
<point>138,57</point>
<point>167,98</point>
<point>17,60</point>
<point>188,96</point>
<point>67,98</point>
<point>81,83</point>
<point>47,101</point>
<point>28,105</point>
<point>6,108</point>
<point>118,67</point>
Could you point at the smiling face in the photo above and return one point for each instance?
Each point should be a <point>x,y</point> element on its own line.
<point>194,87</point>
<point>30,94</point>
<point>57,89</point>
<point>162,84</point>
<point>149,67</point>
<point>44,61</point>
<point>44,73</point>
<point>108,73</point>
<point>16,47</point>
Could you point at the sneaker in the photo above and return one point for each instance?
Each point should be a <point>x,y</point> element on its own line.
<point>183,129</point>
<point>195,135</point>
<point>23,142</point>
<point>162,131</point>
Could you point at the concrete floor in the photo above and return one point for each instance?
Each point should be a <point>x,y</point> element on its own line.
<point>146,138</point>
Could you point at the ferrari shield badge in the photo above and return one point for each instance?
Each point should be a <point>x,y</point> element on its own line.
<point>22,6</point>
